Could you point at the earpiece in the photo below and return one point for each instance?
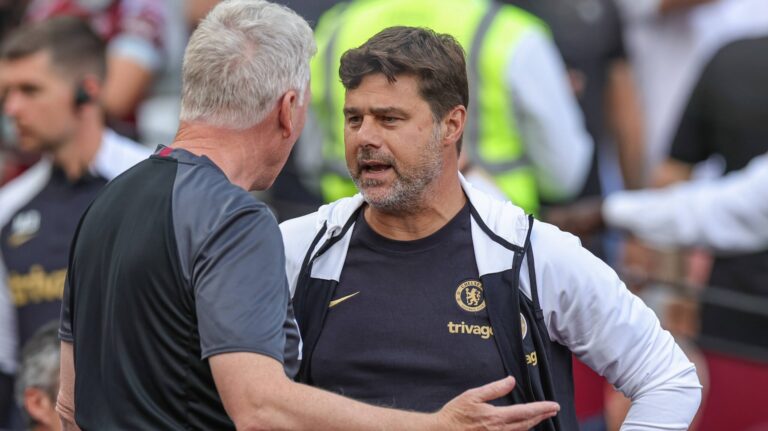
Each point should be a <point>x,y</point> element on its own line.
<point>81,96</point>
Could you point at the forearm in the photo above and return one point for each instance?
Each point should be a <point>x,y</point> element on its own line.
<point>625,118</point>
<point>65,401</point>
<point>126,84</point>
<point>292,406</point>
<point>301,407</point>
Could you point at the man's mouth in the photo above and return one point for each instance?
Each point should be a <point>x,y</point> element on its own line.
<point>374,166</point>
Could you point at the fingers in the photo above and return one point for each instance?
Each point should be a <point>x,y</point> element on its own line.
<point>471,411</point>
<point>492,390</point>
<point>532,422</point>
<point>537,411</point>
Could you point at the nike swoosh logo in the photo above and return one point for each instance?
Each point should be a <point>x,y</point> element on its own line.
<point>336,302</point>
<point>18,240</point>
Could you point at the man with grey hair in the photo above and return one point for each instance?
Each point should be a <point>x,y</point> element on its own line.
<point>176,310</point>
<point>38,379</point>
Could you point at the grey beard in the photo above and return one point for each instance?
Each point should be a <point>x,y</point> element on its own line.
<point>409,189</point>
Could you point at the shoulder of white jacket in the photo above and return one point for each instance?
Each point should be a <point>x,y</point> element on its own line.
<point>550,244</point>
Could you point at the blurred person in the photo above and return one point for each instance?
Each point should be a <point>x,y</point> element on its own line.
<point>525,132</point>
<point>669,42</point>
<point>725,117</point>
<point>51,77</point>
<point>422,286</point>
<point>146,40</point>
<point>185,322</point>
<point>38,380</point>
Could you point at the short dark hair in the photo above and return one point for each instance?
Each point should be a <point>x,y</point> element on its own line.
<point>437,60</point>
<point>75,48</point>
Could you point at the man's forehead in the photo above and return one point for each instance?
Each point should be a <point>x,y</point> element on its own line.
<point>376,93</point>
<point>37,63</point>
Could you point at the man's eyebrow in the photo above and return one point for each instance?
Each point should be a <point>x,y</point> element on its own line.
<point>388,111</point>
<point>351,111</point>
<point>379,112</point>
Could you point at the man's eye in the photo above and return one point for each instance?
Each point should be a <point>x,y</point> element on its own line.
<point>29,90</point>
<point>389,119</point>
<point>353,120</point>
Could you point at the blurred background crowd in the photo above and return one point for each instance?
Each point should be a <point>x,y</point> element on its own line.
<point>573,102</point>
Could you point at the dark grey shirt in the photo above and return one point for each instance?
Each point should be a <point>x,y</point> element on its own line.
<point>170,265</point>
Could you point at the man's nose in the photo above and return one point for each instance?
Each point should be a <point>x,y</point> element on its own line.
<point>12,103</point>
<point>369,133</point>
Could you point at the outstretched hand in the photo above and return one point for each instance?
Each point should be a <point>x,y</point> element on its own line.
<point>470,411</point>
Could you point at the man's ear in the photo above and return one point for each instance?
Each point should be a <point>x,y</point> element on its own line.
<point>39,406</point>
<point>453,124</point>
<point>91,85</point>
<point>286,118</point>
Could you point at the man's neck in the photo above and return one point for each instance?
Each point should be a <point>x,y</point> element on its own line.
<point>439,206</point>
<point>233,151</point>
<point>75,157</point>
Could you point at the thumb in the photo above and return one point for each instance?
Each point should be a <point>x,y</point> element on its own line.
<point>493,390</point>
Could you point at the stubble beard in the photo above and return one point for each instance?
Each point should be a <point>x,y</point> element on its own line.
<point>411,185</point>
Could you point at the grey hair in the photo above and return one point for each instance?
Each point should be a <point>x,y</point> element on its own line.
<point>241,58</point>
<point>39,365</point>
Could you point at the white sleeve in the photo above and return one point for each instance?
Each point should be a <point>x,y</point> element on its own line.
<point>550,122</point>
<point>590,311</point>
<point>728,213</point>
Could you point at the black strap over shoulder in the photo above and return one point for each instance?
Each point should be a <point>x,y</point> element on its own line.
<point>539,330</point>
<point>300,294</point>
<point>311,304</point>
<point>532,271</point>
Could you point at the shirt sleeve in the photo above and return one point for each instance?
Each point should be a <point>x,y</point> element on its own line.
<point>548,117</point>
<point>727,214</point>
<point>65,322</point>
<point>588,309</point>
<point>240,288</point>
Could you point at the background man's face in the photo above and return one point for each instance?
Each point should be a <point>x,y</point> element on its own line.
<point>39,101</point>
<point>393,146</point>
